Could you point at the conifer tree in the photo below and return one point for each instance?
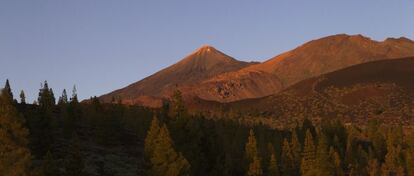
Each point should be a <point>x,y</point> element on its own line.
<point>378,141</point>
<point>296,148</point>
<point>74,112</point>
<point>178,108</point>
<point>325,165</point>
<point>393,164</point>
<point>64,98</point>
<point>273,169</point>
<point>150,139</point>
<point>373,168</point>
<point>308,154</point>
<point>336,161</point>
<point>44,138</point>
<point>8,91</point>
<point>46,97</point>
<point>165,160</point>
<point>49,166</point>
<point>251,147</point>
<point>74,163</point>
<point>288,161</point>
<point>22,97</point>
<point>15,157</point>
<point>255,168</point>
<point>74,98</point>
<point>252,155</point>
<point>392,160</point>
<point>270,149</point>
<point>351,149</point>
<point>361,162</point>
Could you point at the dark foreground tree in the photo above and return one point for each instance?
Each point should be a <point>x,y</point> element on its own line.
<point>165,160</point>
<point>309,156</point>
<point>151,138</point>
<point>7,91</point>
<point>288,160</point>
<point>251,147</point>
<point>273,169</point>
<point>49,166</point>
<point>22,97</point>
<point>74,162</point>
<point>252,156</point>
<point>178,108</point>
<point>15,157</point>
<point>255,168</point>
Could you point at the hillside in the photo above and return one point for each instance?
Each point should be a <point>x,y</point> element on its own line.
<point>200,65</point>
<point>208,74</point>
<point>379,89</point>
<point>308,60</point>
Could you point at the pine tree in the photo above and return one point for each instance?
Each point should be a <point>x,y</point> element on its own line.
<point>251,147</point>
<point>270,149</point>
<point>64,98</point>
<point>252,155</point>
<point>296,148</point>
<point>152,135</point>
<point>392,160</point>
<point>378,141</point>
<point>74,164</point>
<point>49,166</point>
<point>288,161</point>
<point>336,161</point>
<point>373,168</point>
<point>44,138</point>
<point>351,149</point>
<point>15,157</point>
<point>165,160</point>
<point>74,98</point>
<point>361,161</point>
<point>7,91</point>
<point>22,97</point>
<point>325,166</point>
<point>178,108</point>
<point>46,97</point>
<point>74,113</point>
<point>255,168</point>
<point>273,169</point>
<point>308,154</point>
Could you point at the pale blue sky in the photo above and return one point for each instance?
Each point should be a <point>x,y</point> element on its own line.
<point>102,45</point>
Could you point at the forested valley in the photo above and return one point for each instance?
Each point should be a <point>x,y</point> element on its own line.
<point>67,137</point>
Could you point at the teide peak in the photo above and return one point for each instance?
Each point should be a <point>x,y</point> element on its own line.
<point>204,63</point>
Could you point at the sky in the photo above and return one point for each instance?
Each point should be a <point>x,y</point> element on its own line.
<point>103,45</point>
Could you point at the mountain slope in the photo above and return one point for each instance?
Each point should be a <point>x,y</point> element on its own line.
<point>333,53</point>
<point>202,64</point>
<point>379,89</point>
<point>311,59</point>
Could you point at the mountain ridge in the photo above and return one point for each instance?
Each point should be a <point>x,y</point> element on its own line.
<point>203,63</point>
<point>310,59</point>
<point>209,74</point>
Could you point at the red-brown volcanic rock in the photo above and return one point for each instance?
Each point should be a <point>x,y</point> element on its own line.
<point>204,63</point>
<point>311,59</point>
<point>209,74</point>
